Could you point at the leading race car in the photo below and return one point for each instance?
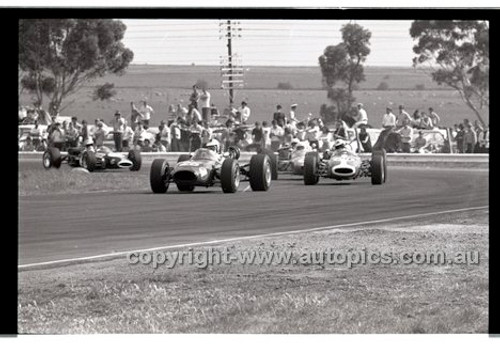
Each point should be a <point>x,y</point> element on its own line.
<point>344,164</point>
<point>208,167</point>
<point>92,159</point>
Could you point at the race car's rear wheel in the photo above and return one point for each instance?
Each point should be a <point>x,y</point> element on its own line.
<point>230,176</point>
<point>273,160</point>
<point>383,153</point>
<point>158,176</point>
<point>183,158</point>
<point>51,158</point>
<point>234,152</point>
<point>377,169</point>
<point>135,157</point>
<point>185,187</point>
<point>89,161</point>
<point>260,172</point>
<point>311,176</point>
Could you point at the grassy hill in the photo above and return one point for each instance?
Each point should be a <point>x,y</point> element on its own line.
<point>165,85</point>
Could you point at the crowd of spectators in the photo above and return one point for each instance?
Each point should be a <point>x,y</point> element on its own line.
<point>188,128</point>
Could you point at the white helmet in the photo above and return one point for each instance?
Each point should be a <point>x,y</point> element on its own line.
<point>213,145</point>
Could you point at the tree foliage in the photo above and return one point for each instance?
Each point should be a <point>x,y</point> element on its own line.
<point>458,54</point>
<point>71,52</point>
<point>104,92</point>
<point>342,66</point>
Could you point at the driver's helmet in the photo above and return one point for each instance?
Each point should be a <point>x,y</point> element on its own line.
<point>88,142</point>
<point>339,144</point>
<point>213,145</point>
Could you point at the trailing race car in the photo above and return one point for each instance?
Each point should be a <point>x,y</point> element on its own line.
<point>291,158</point>
<point>344,164</point>
<point>91,159</point>
<point>207,167</point>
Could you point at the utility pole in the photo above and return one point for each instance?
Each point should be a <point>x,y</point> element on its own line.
<point>231,69</point>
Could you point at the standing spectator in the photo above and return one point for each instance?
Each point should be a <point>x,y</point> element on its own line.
<point>57,137</point>
<point>206,134</point>
<point>340,130</point>
<point>138,138</point>
<point>118,130</point>
<point>227,136</point>
<point>266,135</point>
<point>434,117</point>
<point>312,133</point>
<point>403,118</point>
<point>175,135</point>
<point>420,143</point>
<point>293,112</point>
<point>361,117</point>
<point>277,133</point>
<point>195,96</point>
<point>406,133</point>
<point>470,139</point>
<point>244,112</point>
<point>301,131</point>
<point>213,110</point>
<point>484,140</point>
<point>205,105</point>
<point>146,147</point>
<point>195,136</point>
<point>416,118</point>
<point>84,132</point>
<point>128,136</point>
<point>135,116</point>
<point>76,124</point>
<point>279,116</point>
<point>99,134</point>
<point>164,134</point>
<point>365,140</point>
<point>325,139</point>
<point>258,134</point>
<point>424,122</point>
<point>72,135</point>
<point>36,134</point>
<point>180,111</point>
<point>146,111</point>
<point>193,115</point>
<point>459,138</point>
<point>478,129</point>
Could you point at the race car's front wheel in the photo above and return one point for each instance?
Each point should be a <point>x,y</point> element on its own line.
<point>273,160</point>
<point>89,161</point>
<point>135,157</point>
<point>230,176</point>
<point>158,176</point>
<point>311,176</point>
<point>377,169</point>
<point>382,153</point>
<point>260,172</point>
<point>51,158</point>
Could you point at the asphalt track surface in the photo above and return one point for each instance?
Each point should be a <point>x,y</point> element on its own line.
<point>55,227</point>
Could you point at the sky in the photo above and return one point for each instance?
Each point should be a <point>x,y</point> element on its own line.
<point>260,42</point>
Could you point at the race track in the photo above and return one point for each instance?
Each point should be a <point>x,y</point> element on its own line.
<point>55,227</point>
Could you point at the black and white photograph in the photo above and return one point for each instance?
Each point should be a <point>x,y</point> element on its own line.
<point>260,172</point>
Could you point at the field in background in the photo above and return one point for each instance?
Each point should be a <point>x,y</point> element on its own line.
<point>165,85</point>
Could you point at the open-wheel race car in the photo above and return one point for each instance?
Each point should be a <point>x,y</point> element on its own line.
<point>92,159</point>
<point>291,158</point>
<point>344,164</point>
<point>207,167</point>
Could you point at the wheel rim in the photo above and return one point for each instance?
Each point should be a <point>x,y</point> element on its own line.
<point>267,174</point>
<point>236,175</point>
<point>46,160</point>
<point>84,161</point>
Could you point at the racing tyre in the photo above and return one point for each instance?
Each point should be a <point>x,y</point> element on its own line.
<point>89,161</point>
<point>185,188</point>
<point>230,176</point>
<point>383,153</point>
<point>51,158</point>
<point>377,169</point>
<point>183,158</point>
<point>158,176</point>
<point>311,176</point>
<point>136,158</point>
<point>273,160</point>
<point>260,172</point>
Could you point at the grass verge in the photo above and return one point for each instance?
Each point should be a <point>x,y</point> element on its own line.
<point>116,297</point>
